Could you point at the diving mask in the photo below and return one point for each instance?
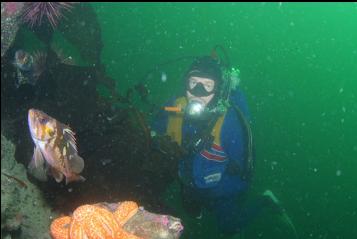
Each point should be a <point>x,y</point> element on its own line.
<point>199,89</point>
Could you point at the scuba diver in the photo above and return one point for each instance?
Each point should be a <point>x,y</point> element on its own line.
<point>210,122</point>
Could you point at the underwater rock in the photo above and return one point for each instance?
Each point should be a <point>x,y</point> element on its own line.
<point>82,29</point>
<point>77,22</point>
<point>79,27</point>
<point>10,12</point>
<point>146,224</point>
<point>24,213</point>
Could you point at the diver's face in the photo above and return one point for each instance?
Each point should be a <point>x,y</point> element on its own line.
<point>207,86</point>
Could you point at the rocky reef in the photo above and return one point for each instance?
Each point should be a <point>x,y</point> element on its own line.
<point>10,12</point>
<point>24,212</point>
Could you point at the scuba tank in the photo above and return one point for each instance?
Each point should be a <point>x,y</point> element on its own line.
<point>231,82</point>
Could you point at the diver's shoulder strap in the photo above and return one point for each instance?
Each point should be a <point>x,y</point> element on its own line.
<point>216,131</point>
<point>174,126</point>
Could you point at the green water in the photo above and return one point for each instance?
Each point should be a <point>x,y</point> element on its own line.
<point>298,65</point>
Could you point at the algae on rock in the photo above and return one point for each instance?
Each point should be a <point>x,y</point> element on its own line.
<point>24,213</point>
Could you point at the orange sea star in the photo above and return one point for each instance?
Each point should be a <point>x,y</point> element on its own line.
<point>95,221</point>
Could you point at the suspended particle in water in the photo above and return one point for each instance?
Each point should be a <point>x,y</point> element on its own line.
<point>341,90</point>
<point>338,173</point>
<point>291,93</point>
<point>153,133</point>
<point>163,77</point>
<point>106,161</point>
<point>148,41</point>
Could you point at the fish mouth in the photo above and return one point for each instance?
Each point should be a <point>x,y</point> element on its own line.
<point>31,112</point>
<point>33,115</point>
<point>30,116</point>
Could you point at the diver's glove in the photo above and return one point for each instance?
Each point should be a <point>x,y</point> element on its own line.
<point>198,143</point>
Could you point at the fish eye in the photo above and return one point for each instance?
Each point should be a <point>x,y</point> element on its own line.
<point>43,120</point>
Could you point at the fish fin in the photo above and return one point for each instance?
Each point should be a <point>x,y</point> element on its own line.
<point>40,60</point>
<point>69,138</point>
<point>37,167</point>
<point>75,163</point>
<point>57,175</point>
<point>38,157</point>
<point>74,177</point>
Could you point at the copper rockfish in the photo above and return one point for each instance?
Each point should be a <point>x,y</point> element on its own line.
<point>55,150</point>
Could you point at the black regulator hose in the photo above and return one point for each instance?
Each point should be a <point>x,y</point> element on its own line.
<point>226,63</point>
